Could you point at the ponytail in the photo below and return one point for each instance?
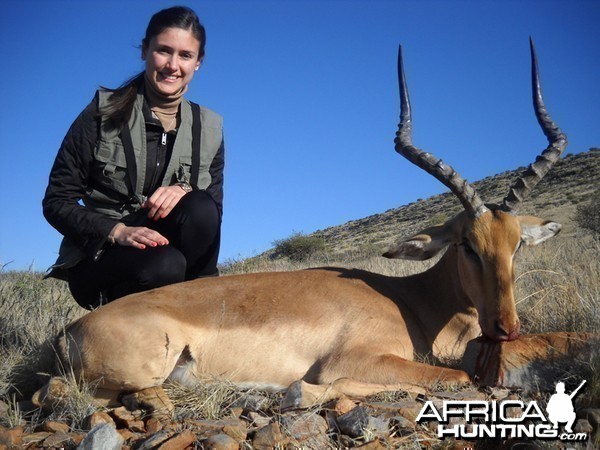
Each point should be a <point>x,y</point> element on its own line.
<point>120,104</point>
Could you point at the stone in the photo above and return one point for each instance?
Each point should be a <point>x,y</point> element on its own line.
<point>532,363</point>
<point>128,435</point>
<point>153,425</point>
<point>11,437</point>
<point>236,430</point>
<point>180,441</point>
<point>307,429</point>
<point>269,437</point>
<point>373,445</point>
<point>401,426</point>
<point>252,402</point>
<point>304,425</point>
<point>220,442</point>
<point>344,405</point>
<point>155,440</point>
<point>583,426</point>
<point>35,438</point>
<point>125,419</point>
<point>354,422</point>
<point>55,427</point>
<point>97,418</point>
<point>592,416</point>
<point>257,419</point>
<point>378,427</point>
<point>59,439</point>
<point>102,437</point>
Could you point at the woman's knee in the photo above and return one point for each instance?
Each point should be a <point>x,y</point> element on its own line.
<point>164,265</point>
<point>198,209</point>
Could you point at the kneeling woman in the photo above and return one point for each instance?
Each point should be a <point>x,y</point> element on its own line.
<point>137,186</point>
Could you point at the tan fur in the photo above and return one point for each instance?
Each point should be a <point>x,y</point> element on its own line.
<point>319,326</point>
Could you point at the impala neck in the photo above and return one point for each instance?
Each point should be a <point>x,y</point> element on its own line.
<point>449,319</point>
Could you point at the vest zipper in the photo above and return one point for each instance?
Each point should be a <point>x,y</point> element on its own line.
<point>164,138</point>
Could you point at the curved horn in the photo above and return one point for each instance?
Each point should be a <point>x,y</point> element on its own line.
<point>426,161</point>
<point>557,141</point>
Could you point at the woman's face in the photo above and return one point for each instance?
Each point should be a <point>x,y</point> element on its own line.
<point>171,60</point>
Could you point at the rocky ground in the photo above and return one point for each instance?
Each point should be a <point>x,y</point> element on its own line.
<point>381,422</point>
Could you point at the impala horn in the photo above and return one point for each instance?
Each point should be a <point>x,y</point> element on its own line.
<point>557,141</point>
<point>428,162</point>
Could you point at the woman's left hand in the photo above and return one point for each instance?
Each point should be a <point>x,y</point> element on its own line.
<point>162,202</point>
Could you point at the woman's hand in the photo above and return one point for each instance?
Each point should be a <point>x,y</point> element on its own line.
<point>162,202</point>
<point>138,237</point>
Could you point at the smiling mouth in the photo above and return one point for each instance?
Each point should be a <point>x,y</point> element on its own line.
<point>169,78</point>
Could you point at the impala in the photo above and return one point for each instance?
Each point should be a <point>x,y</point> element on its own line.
<point>326,332</point>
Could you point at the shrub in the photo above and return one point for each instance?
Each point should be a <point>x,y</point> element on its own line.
<point>299,247</point>
<point>587,215</point>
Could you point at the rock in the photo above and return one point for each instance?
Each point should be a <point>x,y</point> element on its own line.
<point>236,430</point>
<point>269,437</point>
<point>35,438</point>
<point>257,419</point>
<point>180,441</point>
<point>583,426</point>
<point>353,423</point>
<point>59,439</point>
<point>11,437</point>
<point>373,445</point>
<point>98,418</point>
<point>128,435</point>
<point>252,402</point>
<point>102,437</point>
<point>592,415</point>
<point>220,442</point>
<point>155,440</point>
<point>401,426</point>
<point>378,427</point>
<point>532,362</point>
<point>126,419</point>
<point>55,427</point>
<point>308,429</point>
<point>153,425</point>
<point>343,405</point>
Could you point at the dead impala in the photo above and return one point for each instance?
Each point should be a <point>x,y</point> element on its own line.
<point>331,331</point>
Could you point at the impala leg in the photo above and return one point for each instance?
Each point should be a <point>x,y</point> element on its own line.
<point>388,369</point>
<point>301,394</point>
<point>360,376</point>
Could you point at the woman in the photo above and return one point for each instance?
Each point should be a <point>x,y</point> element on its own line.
<point>137,185</point>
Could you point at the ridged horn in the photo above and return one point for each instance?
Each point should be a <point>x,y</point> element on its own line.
<point>428,162</point>
<point>557,141</point>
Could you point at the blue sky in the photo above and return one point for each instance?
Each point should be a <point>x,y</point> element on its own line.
<point>308,91</point>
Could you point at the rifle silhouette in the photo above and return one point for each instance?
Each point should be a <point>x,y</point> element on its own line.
<point>577,390</point>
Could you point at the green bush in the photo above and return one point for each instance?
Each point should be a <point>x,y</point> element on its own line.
<point>299,247</point>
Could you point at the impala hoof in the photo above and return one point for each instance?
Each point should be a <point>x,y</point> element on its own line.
<point>293,397</point>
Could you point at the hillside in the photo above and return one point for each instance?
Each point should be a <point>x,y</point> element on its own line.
<point>573,180</point>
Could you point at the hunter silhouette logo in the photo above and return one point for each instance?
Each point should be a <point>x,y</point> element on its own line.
<point>560,407</point>
<point>507,419</point>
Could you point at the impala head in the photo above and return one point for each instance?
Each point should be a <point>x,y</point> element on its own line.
<point>483,239</point>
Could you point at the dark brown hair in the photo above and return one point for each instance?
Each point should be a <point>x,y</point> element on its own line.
<point>122,99</point>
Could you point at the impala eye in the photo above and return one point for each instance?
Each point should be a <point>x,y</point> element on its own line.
<point>466,246</point>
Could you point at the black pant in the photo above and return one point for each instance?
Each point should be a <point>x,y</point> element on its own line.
<point>193,229</point>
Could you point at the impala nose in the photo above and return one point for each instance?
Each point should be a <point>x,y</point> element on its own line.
<point>506,332</point>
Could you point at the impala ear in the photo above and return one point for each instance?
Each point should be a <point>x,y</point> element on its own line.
<point>534,231</point>
<point>424,245</point>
